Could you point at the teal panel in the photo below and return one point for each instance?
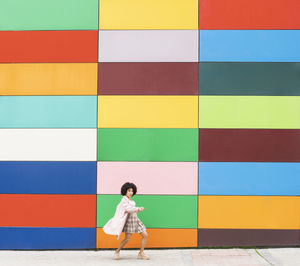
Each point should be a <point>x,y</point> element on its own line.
<point>48,111</point>
<point>249,78</point>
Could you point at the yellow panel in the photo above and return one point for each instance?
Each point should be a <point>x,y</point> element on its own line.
<point>249,112</point>
<point>147,111</point>
<point>157,238</point>
<point>48,79</point>
<point>249,212</point>
<point>148,14</point>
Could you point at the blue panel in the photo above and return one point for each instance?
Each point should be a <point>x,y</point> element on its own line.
<point>222,178</point>
<point>47,238</point>
<point>250,45</point>
<point>48,111</point>
<point>48,177</point>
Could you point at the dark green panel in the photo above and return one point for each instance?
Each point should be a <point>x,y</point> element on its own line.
<point>150,144</point>
<point>161,211</point>
<point>244,78</point>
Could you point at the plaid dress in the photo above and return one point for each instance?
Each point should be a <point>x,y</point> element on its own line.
<point>133,224</point>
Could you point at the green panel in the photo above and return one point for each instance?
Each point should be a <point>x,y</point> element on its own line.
<point>48,14</point>
<point>152,144</point>
<point>282,112</point>
<point>249,78</point>
<point>161,211</point>
<point>48,111</point>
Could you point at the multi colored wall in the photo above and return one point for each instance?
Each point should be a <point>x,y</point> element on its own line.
<point>197,103</point>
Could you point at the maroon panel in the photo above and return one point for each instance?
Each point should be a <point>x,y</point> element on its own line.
<point>248,237</point>
<point>249,145</point>
<point>148,78</point>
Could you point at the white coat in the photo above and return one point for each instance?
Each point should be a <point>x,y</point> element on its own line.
<point>116,224</point>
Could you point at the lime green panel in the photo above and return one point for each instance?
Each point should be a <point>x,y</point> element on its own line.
<point>152,144</point>
<point>249,112</point>
<point>48,14</point>
<point>161,211</point>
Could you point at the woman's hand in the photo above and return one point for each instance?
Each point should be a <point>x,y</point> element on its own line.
<point>142,209</point>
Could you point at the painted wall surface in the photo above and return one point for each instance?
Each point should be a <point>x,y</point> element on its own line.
<point>195,101</point>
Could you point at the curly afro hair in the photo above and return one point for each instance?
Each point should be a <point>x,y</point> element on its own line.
<point>126,186</point>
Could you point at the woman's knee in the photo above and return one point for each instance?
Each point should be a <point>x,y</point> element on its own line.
<point>127,236</point>
<point>144,234</point>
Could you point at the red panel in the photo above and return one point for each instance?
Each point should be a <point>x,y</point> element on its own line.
<point>249,145</point>
<point>249,14</point>
<point>48,210</point>
<point>148,78</point>
<point>48,46</point>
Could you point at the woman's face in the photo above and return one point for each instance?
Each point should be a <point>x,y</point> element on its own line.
<point>129,192</point>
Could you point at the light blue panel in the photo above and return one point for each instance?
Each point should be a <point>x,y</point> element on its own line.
<point>250,45</point>
<point>47,238</point>
<point>48,111</point>
<point>236,178</point>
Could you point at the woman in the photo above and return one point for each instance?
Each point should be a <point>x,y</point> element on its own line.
<point>126,220</point>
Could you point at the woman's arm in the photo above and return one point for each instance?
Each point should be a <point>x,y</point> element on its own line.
<point>128,208</point>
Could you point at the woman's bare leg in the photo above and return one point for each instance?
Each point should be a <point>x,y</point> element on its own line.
<point>143,241</point>
<point>124,242</point>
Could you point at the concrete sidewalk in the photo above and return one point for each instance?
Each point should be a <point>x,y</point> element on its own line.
<point>174,257</point>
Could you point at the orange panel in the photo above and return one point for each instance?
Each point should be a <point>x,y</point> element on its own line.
<point>249,14</point>
<point>156,238</point>
<point>48,210</point>
<point>48,79</point>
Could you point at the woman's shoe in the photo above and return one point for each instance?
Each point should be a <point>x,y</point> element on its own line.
<point>143,256</point>
<point>117,256</point>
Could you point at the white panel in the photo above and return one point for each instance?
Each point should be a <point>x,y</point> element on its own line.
<point>48,144</point>
<point>148,46</point>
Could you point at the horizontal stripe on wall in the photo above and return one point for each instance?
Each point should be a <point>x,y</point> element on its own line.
<point>249,145</point>
<point>249,212</point>
<point>243,78</point>
<point>48,210</point>
<point>250,45</point>
<point>48,144</point>
<point>150,177</point>
<point>48,111</point>
<point>48,79</point>
<point>161,211</point>
<point>148,78</point>
<point>49,15</point>
<point>248,237</point>
<point>47,238</point>
<point>267,112</point>
<point>157,238</point>
<point>249,14</point>
<point>48,46</point>
<point>139,112</point>
<point>149,144</point>
<point>135,14</point>
<point>48,177</point>
<point>148,46</point>
<point>249,179</point>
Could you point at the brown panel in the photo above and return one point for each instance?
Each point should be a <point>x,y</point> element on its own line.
<point>249,145</point>
<point>248,237</point>
<point>148,78</point>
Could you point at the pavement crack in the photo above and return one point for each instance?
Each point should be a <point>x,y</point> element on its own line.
<point>264,258</point>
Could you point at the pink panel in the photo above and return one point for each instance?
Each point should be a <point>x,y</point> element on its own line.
<point>150,177</point>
